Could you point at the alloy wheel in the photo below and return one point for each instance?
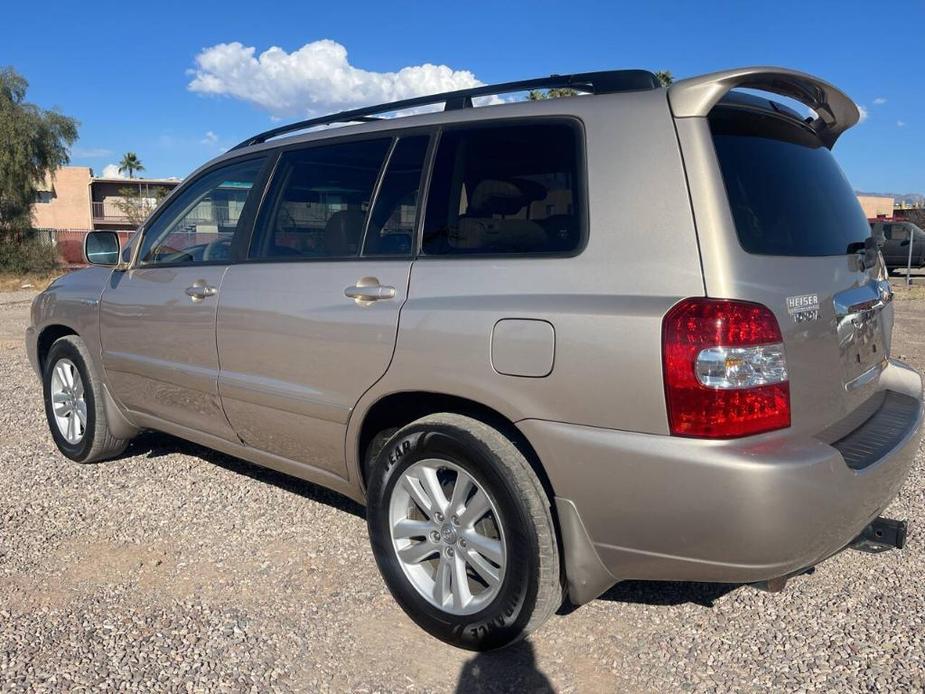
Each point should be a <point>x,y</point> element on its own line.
<point>448,536</point>
<point>68,402</point>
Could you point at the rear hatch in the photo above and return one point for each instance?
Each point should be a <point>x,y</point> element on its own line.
<point>804,251</point>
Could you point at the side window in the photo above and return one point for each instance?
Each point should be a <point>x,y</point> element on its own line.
<point>199,225</point>
<point>505,189</point>
<point>888,231</point>
<point>391,224</point>
<point>318,202</point>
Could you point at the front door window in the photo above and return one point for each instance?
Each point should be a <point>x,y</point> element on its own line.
<point>200,224</point>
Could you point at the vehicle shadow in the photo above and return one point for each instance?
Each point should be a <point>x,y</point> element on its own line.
<point>661,593</point>
<point>511,669</point>
<point>155,445</point>
<point>668,593</point>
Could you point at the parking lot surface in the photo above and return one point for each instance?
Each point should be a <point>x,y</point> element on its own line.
<point>176,568</point>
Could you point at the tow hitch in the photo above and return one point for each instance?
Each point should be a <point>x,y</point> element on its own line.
<point>881,535</point>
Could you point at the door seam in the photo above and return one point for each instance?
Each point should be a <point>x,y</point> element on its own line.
<point>383,375</point>
<point>218,360</point>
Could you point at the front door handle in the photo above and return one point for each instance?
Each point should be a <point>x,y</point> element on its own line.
<point>367,290</point>
<point>200,290</point>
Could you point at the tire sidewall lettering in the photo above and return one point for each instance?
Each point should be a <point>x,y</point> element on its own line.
<point>506,614</point>
<point>67,350</point>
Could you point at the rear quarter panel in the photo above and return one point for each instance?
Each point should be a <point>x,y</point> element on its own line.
<point>605,303</point>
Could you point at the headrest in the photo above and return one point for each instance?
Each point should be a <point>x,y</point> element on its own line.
<point>493,196</point>
<point>343,230</point>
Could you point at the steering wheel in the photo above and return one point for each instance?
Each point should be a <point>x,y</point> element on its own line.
<point>219,249</point>
<point>165,254</point>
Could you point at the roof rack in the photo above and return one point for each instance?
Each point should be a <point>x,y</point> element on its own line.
<point>606,82</point>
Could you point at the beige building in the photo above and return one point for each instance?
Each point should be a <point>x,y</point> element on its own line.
<point>876,205</point>
<point>75,199</point>
<point>63,201</point>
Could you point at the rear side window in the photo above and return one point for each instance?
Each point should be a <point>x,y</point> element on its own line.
<point>511,189</point>
<point>318,202</point>
<point>787,194</point>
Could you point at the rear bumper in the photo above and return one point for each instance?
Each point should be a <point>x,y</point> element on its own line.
<point>667,508</point>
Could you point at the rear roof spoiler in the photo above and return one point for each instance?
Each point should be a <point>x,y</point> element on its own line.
<point>696,97</point>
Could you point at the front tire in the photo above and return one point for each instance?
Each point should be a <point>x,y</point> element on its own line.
<point>74,404</point>
<point>462,531</point>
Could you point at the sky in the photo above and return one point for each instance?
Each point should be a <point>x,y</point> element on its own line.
<point>178,83</point>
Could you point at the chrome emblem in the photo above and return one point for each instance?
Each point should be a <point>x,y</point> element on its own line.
<point>804,307</point>
<point>448,534</point>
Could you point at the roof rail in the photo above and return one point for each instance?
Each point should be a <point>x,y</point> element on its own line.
<point>605,82</point>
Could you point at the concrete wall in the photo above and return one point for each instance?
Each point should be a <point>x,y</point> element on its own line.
<point>68,205</point>
<point>876,205</point>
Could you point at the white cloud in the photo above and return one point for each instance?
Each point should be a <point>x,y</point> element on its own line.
<point>317,78</point>
<point>900,124</point>
<point>112,171</point>
<point>863,112</point>
<point>879,101</point>
<point>210,138</point>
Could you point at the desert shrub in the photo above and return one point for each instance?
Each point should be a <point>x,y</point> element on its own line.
<point>22,254</point>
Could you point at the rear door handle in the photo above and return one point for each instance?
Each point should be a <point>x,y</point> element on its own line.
<point>200,290</point>
<point>368,290</point>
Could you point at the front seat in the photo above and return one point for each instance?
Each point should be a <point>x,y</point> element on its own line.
<point>343,232</point>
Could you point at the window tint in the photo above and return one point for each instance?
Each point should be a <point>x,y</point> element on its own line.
<point>199,225</point>
<point>318,201</point>
<point>504,189</point>
<point>787,194</point>
<point>888,231</point>
<point>391,224</point>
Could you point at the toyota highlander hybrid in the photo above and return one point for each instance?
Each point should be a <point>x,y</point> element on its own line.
<point>636,333</point>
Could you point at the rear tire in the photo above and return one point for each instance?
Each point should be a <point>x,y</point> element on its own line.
<point>487,520</point>
<point>74,404</point>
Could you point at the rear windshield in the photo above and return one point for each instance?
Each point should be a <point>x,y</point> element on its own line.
<point>787,194</point>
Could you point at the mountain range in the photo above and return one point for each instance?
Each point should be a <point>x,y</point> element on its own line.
<point>908,198</point>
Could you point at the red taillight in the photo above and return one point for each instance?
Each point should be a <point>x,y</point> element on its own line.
<point>724,368</point>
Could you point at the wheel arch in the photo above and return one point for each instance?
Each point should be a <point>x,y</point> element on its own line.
<point>119,423</point>
<point>47,337</point>
<point>403,407</point>
<point>585,574</point>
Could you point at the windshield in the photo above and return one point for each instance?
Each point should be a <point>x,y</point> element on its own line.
<point>787,194</point>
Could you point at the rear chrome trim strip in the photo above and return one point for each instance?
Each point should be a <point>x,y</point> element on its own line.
<point>866,377</point>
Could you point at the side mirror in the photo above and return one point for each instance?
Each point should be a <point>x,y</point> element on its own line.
<point>102,248</point>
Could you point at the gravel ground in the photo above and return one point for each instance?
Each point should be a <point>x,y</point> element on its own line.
<point>175,568</point>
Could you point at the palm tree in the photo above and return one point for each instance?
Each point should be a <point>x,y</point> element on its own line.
<point>554,93</point>
<point>131,163</point>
